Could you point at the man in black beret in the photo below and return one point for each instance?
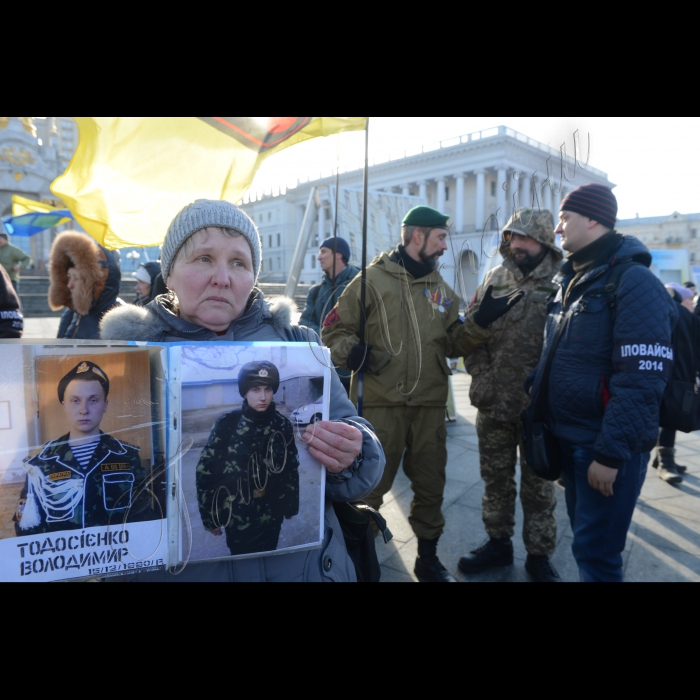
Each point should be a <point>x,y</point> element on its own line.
<point>248,473</point>
<point>85,478</point>
<point>412,326</point>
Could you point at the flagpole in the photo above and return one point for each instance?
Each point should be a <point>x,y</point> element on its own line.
<point>363,292</point>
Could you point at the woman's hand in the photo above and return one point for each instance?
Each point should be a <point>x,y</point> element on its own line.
<point>334,445</point>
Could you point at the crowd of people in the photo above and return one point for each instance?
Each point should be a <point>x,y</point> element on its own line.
<point>545,326</point>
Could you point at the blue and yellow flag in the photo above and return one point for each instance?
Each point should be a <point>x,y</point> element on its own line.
<point>30,217</point>
<point>131,175</point>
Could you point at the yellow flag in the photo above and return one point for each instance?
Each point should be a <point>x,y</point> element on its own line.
<point>131,175</point>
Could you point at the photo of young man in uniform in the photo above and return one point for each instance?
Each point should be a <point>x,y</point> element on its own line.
<point>85,478</point>
<point>248,473</point>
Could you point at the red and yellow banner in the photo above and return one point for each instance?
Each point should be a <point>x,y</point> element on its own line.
<point>131,175</point>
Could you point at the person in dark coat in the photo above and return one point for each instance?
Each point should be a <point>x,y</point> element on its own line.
<point>85,280</point>
<point>248,473</point>
<point>146,277</point>
<point>11,319</point>
<point>664,461</point>
<point>603,401</point>
<point>211,261</point>
<point>334,259</point>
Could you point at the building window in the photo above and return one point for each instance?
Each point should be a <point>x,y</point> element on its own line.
<point>694,233</point>
<point>447,193</point>
<point>692,257</point>
<point>279,240</point>
<point>269,241</point>
<point>493,189</point>
<point>313,262</point>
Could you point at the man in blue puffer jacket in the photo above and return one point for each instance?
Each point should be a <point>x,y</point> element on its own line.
<point>607,377</point>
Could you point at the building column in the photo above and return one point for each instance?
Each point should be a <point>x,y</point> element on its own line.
<point>514,191</point>
<point>559,200</point>
<point>502,197</point>
<point>526,192</point>
<point>548,202</point>
<point>321,224</point>
<point>480,199</point>
<point>424,190</point>
<point>459,204</point>
<point>441,199</point>
<point>406,190</point>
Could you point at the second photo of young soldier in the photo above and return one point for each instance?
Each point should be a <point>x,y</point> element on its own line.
<point>250,484</point>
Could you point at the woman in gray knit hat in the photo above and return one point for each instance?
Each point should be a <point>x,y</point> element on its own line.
<point>211,259</point>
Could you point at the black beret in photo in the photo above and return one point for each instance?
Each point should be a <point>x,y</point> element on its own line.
<point>258,374</point>
<point>85,372</point>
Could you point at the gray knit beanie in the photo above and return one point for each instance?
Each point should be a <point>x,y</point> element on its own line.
<point>205,213</point>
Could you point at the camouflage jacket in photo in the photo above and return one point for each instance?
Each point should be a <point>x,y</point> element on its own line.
<point>71,497</point>
<point>248,473</point>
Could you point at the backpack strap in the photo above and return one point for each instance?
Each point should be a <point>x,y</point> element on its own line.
<point>618,268</point>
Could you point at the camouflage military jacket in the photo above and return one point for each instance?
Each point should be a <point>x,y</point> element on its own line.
<point>499,369</point>
<point>70,497</point>
<point>248,473</point>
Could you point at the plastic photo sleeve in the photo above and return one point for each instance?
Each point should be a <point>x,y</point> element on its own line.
<point>82,461</point>
<point>246,483</point>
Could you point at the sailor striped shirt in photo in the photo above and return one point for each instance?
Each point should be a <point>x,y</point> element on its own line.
<point>83,452</point>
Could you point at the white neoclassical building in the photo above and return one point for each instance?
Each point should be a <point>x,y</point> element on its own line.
<point>477,179</point>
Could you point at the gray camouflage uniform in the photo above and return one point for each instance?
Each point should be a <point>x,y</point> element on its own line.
<point>499,370</point>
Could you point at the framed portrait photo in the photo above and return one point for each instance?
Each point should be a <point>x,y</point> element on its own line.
<point>248,483</point>
<point>82,466</point>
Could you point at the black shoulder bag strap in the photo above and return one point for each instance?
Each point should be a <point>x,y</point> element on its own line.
<point>544,386</point>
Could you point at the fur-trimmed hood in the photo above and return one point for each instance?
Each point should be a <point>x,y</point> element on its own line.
<point>159,322</point>
<point>99,269</point>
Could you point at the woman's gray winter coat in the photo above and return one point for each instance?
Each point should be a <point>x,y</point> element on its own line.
<point>265,322</point>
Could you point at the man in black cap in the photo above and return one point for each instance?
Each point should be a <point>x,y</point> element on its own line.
<point>334,258</point>
<point>600,388</point>
<point>85,478</point>
<point>248,473</point>
<point>412,326</point>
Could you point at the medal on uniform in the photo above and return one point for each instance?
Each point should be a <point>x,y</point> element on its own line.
<point>438,302</point>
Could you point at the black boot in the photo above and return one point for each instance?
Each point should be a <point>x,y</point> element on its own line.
<point>541,569</point>
<point>494,554</point>
<point>667,469</point>
<point>428,567</point>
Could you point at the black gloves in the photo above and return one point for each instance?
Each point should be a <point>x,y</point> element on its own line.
<point>492,309</point>
<point>358,359</point>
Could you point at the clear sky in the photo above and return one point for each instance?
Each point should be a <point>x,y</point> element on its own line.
<point>652,160</point>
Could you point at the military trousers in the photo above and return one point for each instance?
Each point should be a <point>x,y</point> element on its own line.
<point>419,437</point>
<point>498,451</point>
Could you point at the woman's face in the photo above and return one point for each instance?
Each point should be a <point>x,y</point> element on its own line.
<point>143,289</point>
<point>213,279</point>
<point>260,398</point>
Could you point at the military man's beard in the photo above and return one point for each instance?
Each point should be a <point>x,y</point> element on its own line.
<point>430,261</point>
<point>528,262</point>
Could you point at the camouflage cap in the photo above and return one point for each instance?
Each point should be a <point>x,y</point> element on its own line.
<point>258,374</point>
<point>537,224</point>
